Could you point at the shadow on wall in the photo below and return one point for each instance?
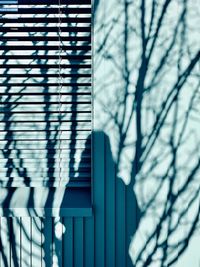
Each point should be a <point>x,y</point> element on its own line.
<point>114,222</point>
<point>118,202</point>
<point>116,211</point>
<point>145,100</point>
<point>126,204</point>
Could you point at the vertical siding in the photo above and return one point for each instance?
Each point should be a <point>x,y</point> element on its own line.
<point>15,241</point>
<point>36,244</point>
<point>89,242</point>
<point>101,240</point>
<point>5,250</point>
<point>120,225</point>
<point>110,207</point>
<point>47,245</point>
<point>68,242</point>
<point>25,241</point>
<point>99,199</point>
<point>78,242</point>
<point>57,241</point>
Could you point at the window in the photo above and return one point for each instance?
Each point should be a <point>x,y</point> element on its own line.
<point>45,93</point>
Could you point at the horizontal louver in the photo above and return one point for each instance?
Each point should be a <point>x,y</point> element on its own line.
<point>45,92</point>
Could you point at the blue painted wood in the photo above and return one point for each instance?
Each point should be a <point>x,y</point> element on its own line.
<point>89,242</point>
<point>47,245</point>
<point>78,242</point>
<point>132,211</point>
<point>100,240</point>
<point>68,242</point>
<point>99,198</point>
<point>47,212</point>
<point>36,242</point>
<point>42,243</point>
<point>110,180</point>
<point>15,241</point>
<point>120,224</point>
<point>58,240</point>
<point>25,241</point>
<point>1,246</point>
<point>5,242</point>
<point>74,202</point>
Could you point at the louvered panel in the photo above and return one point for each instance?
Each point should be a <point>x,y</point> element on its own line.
<point>45,91</point>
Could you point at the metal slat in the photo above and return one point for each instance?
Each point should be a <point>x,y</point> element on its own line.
<point>25,76</point>
<point>44,29</point>
<point>46,20</point>
<point>31,138</point>
<point>64,56</point>
<point>44,66</point>
<point>83,38</point>
<point>48,10</point>
<point>46,84</point>
<point>42,126</point>
<point>11,2</point>
<point>44,91</point>
<point>42,177</point>
<point>43,96</point>
<point>64,134</point>
<point>43,155</point>
<point>54,2</point>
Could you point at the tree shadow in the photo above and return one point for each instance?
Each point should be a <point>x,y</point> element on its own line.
<point>126,205</point>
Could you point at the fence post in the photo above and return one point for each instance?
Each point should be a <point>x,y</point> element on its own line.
<point>99,197</point>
